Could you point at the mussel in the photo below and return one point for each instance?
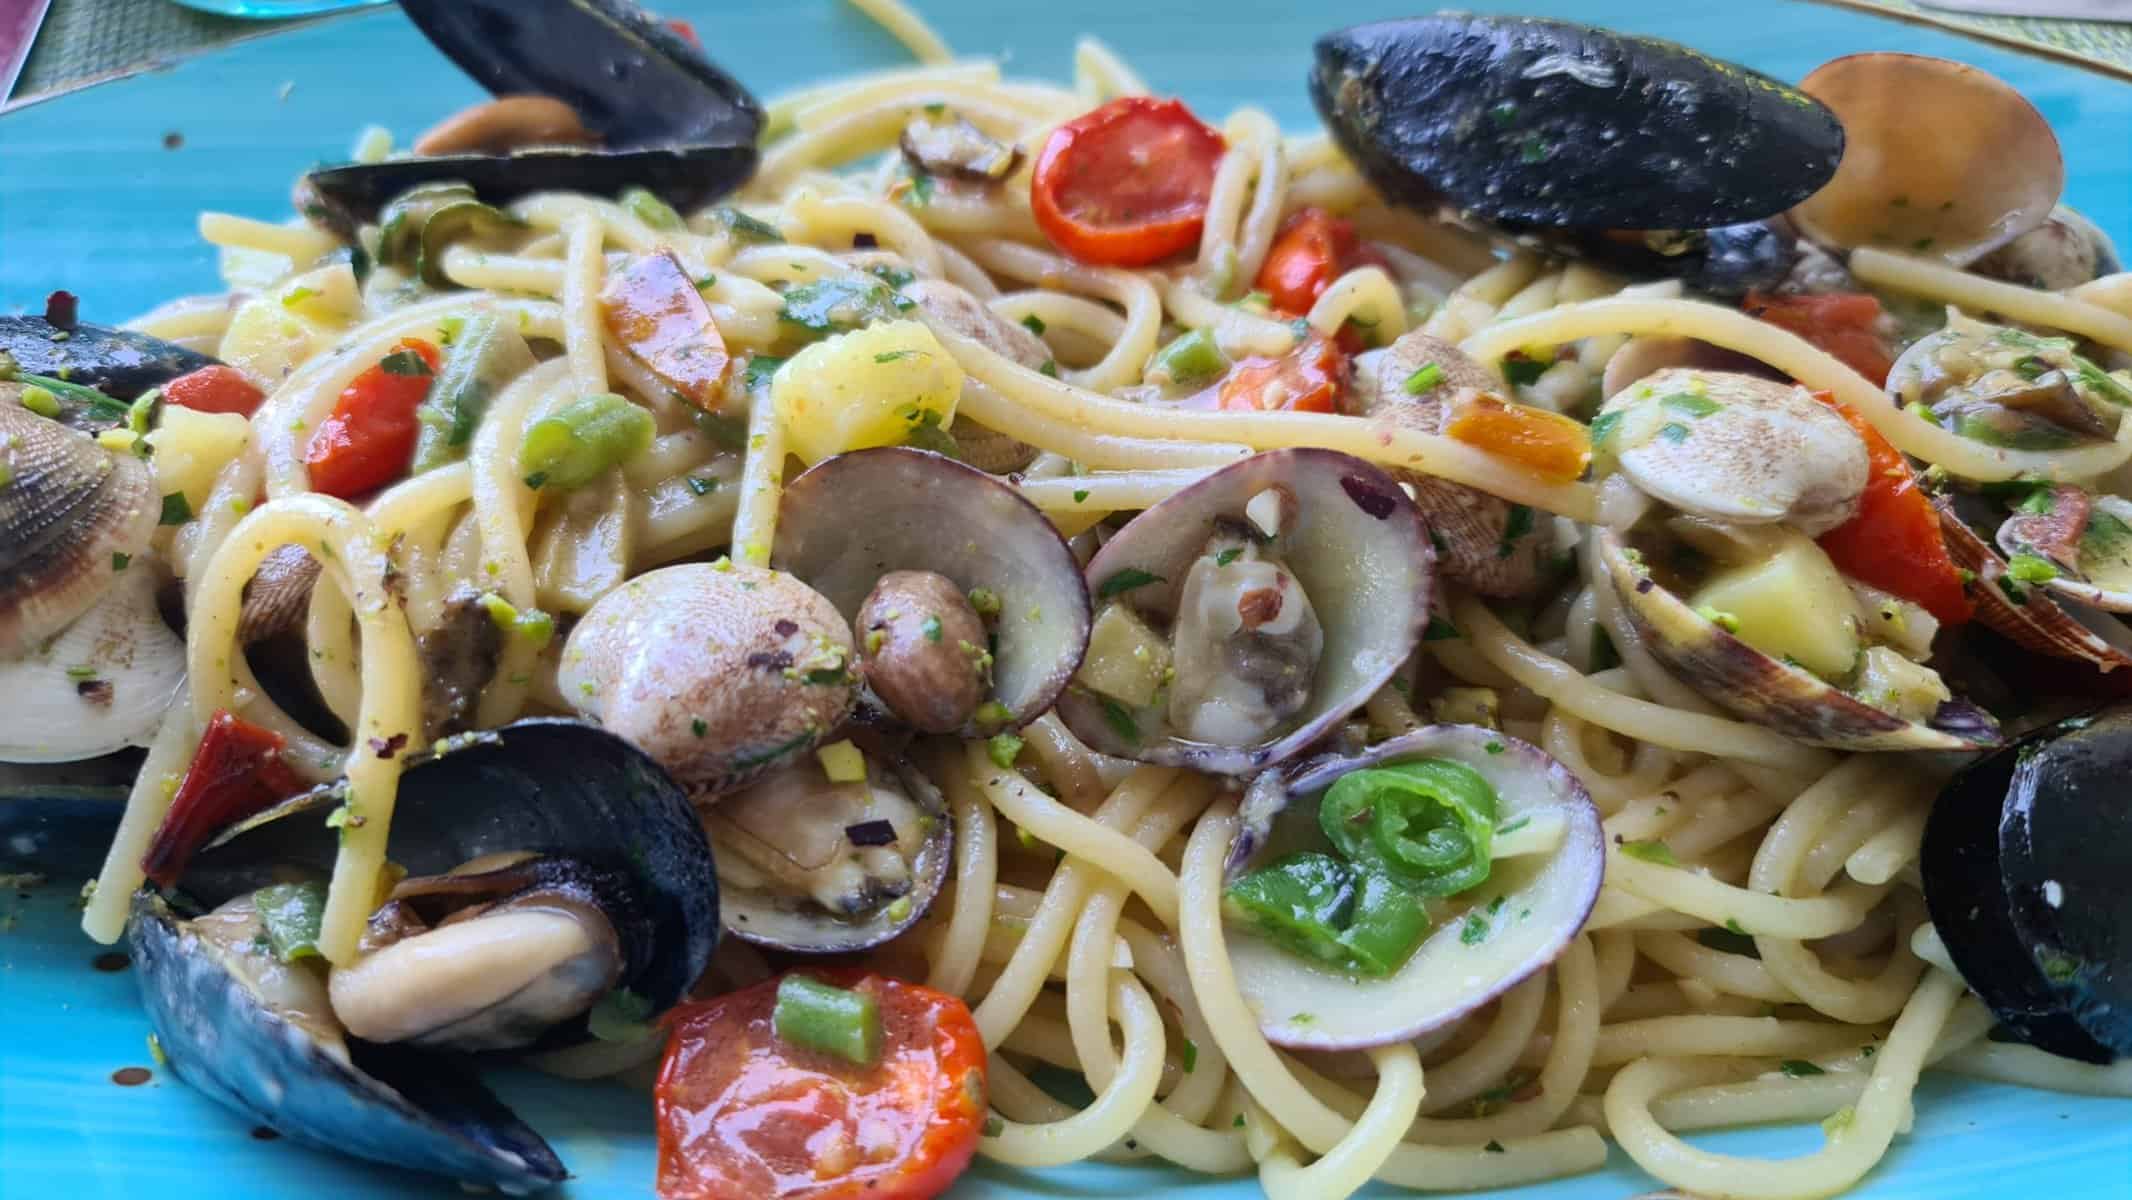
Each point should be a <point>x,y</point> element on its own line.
<point>1636,151</point>
<point>967,606</point>
<point>666,118</point>
<point>553,871</point>
<point>1242,618</point>
<point>117,362</point>
<point>1722,577</point>
<point>2024,880</point>
<point>1545,858</point>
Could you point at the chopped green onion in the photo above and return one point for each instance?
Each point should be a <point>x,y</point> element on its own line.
<point>2031,568</point>
<point>581,440</point>
<point>651,210</point>
<point>1190,359</point>
<point>841,305</point>
<point>743,228</point>
<point>1002,749</point>
<point>290,914</point>
<point>1424,378</point>
<point>828,1019</point>
<point>1691,404</point>
<point>984,601</point>
<point>1125,581</point>
<point>1428,823</point>
<point>1650,851</point>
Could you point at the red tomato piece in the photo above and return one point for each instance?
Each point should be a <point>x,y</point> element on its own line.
<point>215,389</point>
<point>744,1115</point>
<point>1894,542</point>
<point>370,438</point>
<point>236,772</point>
<point>1846,324</point>
<point>1127,184</point>
<point>1306,379</point>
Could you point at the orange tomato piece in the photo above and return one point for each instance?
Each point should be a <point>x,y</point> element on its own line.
<point>1306,379</point>
<point>1894,543</point>
<point>1548,444</point>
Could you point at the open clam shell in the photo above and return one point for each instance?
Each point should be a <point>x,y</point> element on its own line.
<point>1940,158</point>
<point>391,1105</point>
<point>850,519</point>
<point>2030,617</point>
<point>1355,544</point>
<point>781,920</point>
<point>1755,687</point>
<point>1545,898</point>
<point>542,786</point>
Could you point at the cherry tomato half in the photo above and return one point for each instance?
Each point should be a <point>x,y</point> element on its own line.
<point>1894,542</point>
<point>1127,184</point>
<point>1846,324</point>
<point>1306,379</point>
<point>370,438</point>
<point>214,389</point>
<point>1312,249</point>
<point>744,1115</point>
<point>236,772</point>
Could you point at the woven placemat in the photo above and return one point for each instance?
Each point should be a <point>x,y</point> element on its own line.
<point>85,41</point>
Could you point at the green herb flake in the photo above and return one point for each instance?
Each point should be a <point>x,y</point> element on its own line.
<point>1228,556</point>
<point>1050,369</point>
<point>1515,526</point>
<point>1120,719</point>
<point>1190,1056</point>
<point>119,561</point>
<point>1125,581</point>
<point>700,486</point>
<point>994,1126</point>
<point>1522,371</point>
<point>1080,495</point>
<point>1604,425</point>
<point>1649,850</point>
<point>176,509</point>
<point>930,628</point>
<point>698,727</point>
<point>1494,747</point>
<point>1425,377</point>
<point>1495,1147</point>
<point>1691,404</point>
<point>1034,324</point>
<point>743,228</point>
<point>405,363</point>
<point>889,356</point>
<point>1674,432</point>
<point>1003,749</point>
<point>1474,931</point>
<point>1440,630</point>
<point>1799,1068</point>
<point>2031,568</point>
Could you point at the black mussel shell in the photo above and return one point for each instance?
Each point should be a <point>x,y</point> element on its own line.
<point>1727,262</point>
<point>684,176</point>
<point>1525,122</point>
<point>2024,879</point>
<point>410,1108</point>
<point>551,787</point>
<point>632,80</point>
<point>117,362</point>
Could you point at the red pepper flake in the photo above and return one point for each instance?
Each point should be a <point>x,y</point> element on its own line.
<point>387,747</point>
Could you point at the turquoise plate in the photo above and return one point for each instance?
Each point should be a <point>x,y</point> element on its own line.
<point>98,192</point>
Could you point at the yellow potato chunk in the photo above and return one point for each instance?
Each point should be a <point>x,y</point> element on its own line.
<point>1126,660</point>
<point>191,447</point>
<point>876,386</point>
<point>1793,604</point>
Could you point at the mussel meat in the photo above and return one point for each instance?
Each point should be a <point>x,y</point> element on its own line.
<point>1245,616</point>
<point>2025,885</point>
<point>1546,856</point>
<point>666,118</point>
<point>551,868</point>
<point>975,631</point>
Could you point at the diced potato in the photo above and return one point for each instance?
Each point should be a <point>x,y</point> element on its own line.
<point>1126,660</point>
<point>266,340</point>
<point>1793,604</point>
<point>842,762</point>
<point>1894,684</point>
<point>871,387</point>
<point>191,447</point>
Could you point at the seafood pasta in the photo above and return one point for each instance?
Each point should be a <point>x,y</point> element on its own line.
<point>951,615</point>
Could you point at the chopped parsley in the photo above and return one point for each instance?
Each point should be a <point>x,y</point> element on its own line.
<point>1003,749</point>
<point>1522,371</point>
<point>1440,630</point>
<point>405,363</point>
<point>1120,719</point>
<point>1125,581</point>
<point>1604,425</point>
<point>1651,851</point>
<point>1517,525</point>
<point>176,509</point>
<point>1673,431</point>
<point>1691,404</point>
<point>1079,495</point>
<point>1228,556</point>
<point>930,628</point>
<point>1034,324</point>
<point>2031,568</point>
<point>1799,1068</point>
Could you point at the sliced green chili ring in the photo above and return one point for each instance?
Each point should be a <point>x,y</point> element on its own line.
<point>574,445</point>
<point>1318,907</point>
<point>1190,359</point>
<point>1428,823</point>
<point>832,1020</point>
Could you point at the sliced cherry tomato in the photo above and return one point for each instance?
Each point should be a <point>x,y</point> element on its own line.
<point>1846,324</point>
<point>1312,249</point>
<point>654,310</point>
<point>745,1115</point>
<point>370,438</point>
<point>215,389</point>
<point>1306,379</point>
<point>236,772</point>
<point>1127,184</point>
<point>1549,444</point>
<point>1894,542</point>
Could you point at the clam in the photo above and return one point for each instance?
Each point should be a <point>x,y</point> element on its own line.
<point>818,865</point>
<point>551,865</point>
<point>665,117</point>
<point>68,507</point>
<point>719,671</point>
<point>2009,388</point>
<point>2064,252</point>
<point>101,684</point>
<point>1549,858</point>
<point>1940,159</point>
<point>1245,616</point>
<point>968,607</point>
<point>2029,617</point>
<point>1632,150</point>
<point>946,306</point>
<point>117,362</point>
<point>2025,884</point>
<point>1483,542</point>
